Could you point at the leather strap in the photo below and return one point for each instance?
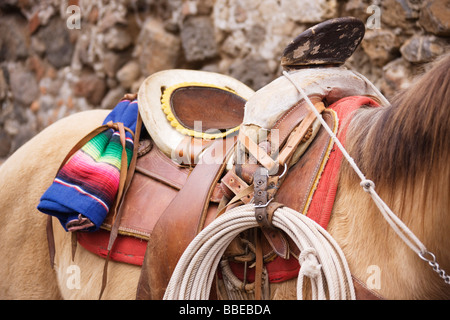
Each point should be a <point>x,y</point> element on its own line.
<point>88,137</point>
<point>189,149</point>
<point>304,174</point>
<point>271,208</point>
<point>364,293</point>
<point>235,184</point>
<point>51,241</point>
<point>262,198</point>
<point>245,196</point>
<point>181,221</point>
<point>247,170</point>
<point>274,236</point>
<point>289,130</point>
<point>287,123</point>
<point>126,174</point>
<point>259,153</point>
<point>157,176</point>
<point>258,266</point>
<point>297,135</point>
<point>157,180</point>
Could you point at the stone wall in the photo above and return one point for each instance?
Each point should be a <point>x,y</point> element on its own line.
<point>60,57</point>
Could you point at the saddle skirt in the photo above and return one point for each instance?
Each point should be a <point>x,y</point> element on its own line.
<point>310,188</point>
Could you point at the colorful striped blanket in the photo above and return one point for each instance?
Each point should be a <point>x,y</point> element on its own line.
<point>85,188</point>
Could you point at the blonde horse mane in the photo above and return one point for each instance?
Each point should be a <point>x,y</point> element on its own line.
<point>404,148</point>
<point>406,145</point>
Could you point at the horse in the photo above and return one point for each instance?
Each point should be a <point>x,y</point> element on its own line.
<point>403,148</point>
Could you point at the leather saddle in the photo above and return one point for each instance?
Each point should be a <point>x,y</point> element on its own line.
<point>175,193</point>
<point>267,148</point>
<point>203,118</point>
<point>171,198</point>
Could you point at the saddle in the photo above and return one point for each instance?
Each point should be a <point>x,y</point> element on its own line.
<point>214,144</point>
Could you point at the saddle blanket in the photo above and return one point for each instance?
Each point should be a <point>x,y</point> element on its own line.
<point>129,249</point>
<point>87,184</point>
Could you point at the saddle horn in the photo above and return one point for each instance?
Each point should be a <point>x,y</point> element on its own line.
<point>329,43</point>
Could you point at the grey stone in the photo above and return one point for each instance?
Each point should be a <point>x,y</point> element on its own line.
<point>399,13</point>
<point>117,38</point>
<point>236,44</point>
<point>46,103</point>
<point>253,71</point>
<point>435,17</point>
<point>56,38</point>
<point>23,84</point>
<point>128,74</point>
<point>397,76</point>
<point>5,144</point>
<point>197,38</point>
<point>423,48</point>
<point>14,39</point>
<point>381,45</point>
<point>306,11</point>
<point>3,86</point>
<point>11,126</point>
<point>112,98</point>
<point>92,87</point>
<point>156,49</point>
<point>113,61</point>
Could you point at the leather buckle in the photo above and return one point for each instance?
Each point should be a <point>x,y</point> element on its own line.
<point>265,187</point>
<point>260,197</point>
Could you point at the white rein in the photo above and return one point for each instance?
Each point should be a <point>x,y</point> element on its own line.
<point>396,224</point>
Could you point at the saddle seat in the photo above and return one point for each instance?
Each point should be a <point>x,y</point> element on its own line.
<point>184,110</point>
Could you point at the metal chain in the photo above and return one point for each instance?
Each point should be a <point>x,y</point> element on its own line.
<point>433,263</point>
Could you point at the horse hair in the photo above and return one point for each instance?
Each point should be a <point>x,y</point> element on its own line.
<point>408,141</point>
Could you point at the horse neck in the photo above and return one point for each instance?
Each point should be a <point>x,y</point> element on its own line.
<point>417,192</point>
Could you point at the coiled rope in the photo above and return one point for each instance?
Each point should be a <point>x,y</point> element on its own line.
<point>321,259</point>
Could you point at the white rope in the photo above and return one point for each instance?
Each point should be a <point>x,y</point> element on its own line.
<point>321,259</point>
<point>396,224</point>
<point>374,88</point>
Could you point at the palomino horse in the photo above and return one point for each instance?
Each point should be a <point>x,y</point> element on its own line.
<point>404,148</point>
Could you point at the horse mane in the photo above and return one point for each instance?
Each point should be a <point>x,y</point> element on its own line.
<point>406,146</point>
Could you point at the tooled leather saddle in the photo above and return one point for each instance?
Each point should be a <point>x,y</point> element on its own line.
<point>168,202</point>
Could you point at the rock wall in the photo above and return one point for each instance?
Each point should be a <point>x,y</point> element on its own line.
<point>61,57</point>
